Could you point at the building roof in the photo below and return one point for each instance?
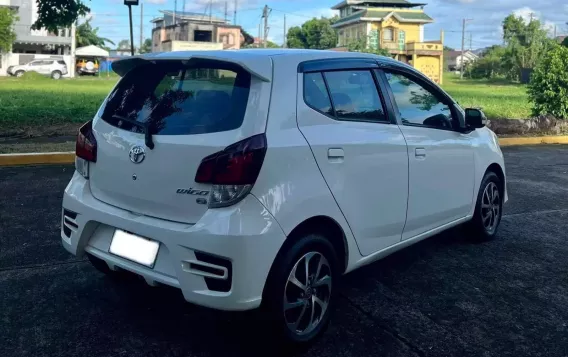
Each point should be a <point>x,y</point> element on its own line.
<point>381,15</point>
<point>378,3</point>
<point>186,15</point>
<point>456,53</point>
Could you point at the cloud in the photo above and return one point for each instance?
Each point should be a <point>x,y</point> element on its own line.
<point>487,16</point>
<point>156,2</point>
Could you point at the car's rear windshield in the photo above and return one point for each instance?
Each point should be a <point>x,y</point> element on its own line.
<point>174,99</point>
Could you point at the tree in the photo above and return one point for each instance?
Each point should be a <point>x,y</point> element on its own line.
<point>124,44</point>
<point>314,33</point>
<point>491,65</point>
<point>319,34</point>
<point>56,14</point>
<point>448,48</point>
<point>146,46</point>
<point>7,34</point>
<point>87,35</point>
<point>295,38</point>
<point>360,45</point>
<point>548,88</point>
<point>565,42</point>
<point>526,43</point>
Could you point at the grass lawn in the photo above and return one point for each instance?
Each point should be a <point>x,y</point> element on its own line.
<point>497,98</point>
<point>42,106</point>
<point>31,103</point>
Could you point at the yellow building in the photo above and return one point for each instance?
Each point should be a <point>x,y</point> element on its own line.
<point>395,25</point>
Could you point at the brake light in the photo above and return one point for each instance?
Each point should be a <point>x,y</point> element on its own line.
<point>86,146</point>
<point>85,149</point>
<point>233,171</point>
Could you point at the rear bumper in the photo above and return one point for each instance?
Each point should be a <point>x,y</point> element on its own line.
<point>245,235</point>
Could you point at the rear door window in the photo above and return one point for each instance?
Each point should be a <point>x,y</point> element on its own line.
<point>173,99</point>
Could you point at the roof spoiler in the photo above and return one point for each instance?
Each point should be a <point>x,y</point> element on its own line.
<point>123,66</point>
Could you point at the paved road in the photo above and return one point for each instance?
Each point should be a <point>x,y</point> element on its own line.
<point>442,297</point>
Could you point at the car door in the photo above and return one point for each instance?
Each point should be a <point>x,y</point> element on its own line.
<point>35,66</point>
<point>359,150</point>
<point>46,66</point>
<point>441,161</point>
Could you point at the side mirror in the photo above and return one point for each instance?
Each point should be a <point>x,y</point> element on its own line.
<point>475,118</point>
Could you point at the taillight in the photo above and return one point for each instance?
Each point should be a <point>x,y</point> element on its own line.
<point>233,171</point>
<point>85,149</point>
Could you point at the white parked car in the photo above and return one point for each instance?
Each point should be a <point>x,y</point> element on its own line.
<point>255,178</point>
<point>53,67</point>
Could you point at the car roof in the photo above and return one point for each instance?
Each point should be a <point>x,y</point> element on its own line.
<point>256,61</point>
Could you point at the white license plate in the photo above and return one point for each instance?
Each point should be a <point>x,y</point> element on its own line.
<point>132,247</point>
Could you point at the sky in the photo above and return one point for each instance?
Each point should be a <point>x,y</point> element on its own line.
<point>484,29</point>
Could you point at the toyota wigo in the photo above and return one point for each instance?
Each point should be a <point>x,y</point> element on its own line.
<point>255,178</point>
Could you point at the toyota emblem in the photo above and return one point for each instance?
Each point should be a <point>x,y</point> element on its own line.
<point>137,154</point>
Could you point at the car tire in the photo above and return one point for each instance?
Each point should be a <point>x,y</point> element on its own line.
<point>298,309</point>
<point>488,208</point>
<point>56,75</point>
<point>19,73</point>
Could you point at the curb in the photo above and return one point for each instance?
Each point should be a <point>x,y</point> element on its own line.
<point>69,157</point>
<point>37,158</point>
<point>560,139</point>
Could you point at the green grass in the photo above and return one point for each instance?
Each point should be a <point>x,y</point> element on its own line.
<point>498,98</point>
<point>40,101</point>
<point>37,105</point>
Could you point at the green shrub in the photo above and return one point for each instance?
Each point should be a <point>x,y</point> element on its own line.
<point>548,89</point>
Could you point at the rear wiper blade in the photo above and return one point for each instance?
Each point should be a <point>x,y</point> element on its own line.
<point>147,135</point>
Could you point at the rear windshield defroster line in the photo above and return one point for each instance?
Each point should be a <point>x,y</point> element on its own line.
<point>170,98</point>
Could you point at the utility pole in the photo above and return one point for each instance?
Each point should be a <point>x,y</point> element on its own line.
<point>470,41</point>
<point>463,46</point>
<point>265,12</point>
<point>285,40</point>
<point>554,32</point>
<point>73,45</point>
<point>210,10</point>
<point>141,27</point>
<point>175,11</point>
<point>235,13</point>
<point>225,11</point>
<point>259,34</point>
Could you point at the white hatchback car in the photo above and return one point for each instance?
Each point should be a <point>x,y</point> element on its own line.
<point>257,177</point>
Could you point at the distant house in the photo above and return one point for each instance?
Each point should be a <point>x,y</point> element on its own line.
<point>394,25</point>
<point>454,59</point>
<point>31,43</point>
<point>193,31</point>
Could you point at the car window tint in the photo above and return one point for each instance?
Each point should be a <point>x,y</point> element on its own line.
<point>417,105</point>
<point>61,62</point>
<point>47,62</point>
<point>354,96</point>
<point>36,63</point>
<point>173,99</point>
<point>315,93</point>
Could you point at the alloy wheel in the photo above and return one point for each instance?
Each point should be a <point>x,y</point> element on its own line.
<point>490,207</point>
<point>307,293</point>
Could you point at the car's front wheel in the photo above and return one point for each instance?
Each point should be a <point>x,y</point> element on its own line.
<point>56,75</point>
<point>489,207</point>
<point>19,73</point>
<point>301,289</point>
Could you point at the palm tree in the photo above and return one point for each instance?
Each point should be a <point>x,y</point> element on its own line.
<point>87,35</point>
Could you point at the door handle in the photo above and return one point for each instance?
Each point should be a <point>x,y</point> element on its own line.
<point>420,152</point>
<point>335,155</point>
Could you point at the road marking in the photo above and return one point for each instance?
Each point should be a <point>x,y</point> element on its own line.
<point>535,213</point>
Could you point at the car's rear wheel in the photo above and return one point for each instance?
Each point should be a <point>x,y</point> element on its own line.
<point>56,75</point>
<point>301,289</point>
<point>489,207</point>
<point>20,73</point>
